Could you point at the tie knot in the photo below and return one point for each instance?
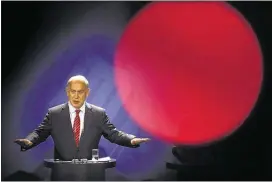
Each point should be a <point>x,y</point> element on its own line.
<point>77,111</point>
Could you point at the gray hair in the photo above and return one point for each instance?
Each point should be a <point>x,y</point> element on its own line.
<point>78,78</point>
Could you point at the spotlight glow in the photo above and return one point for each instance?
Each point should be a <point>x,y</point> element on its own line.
<point>193,70</point>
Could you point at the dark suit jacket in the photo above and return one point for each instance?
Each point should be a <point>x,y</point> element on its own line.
<point>57,123</point>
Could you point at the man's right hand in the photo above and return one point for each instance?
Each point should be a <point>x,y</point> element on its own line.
<point>23,142</point>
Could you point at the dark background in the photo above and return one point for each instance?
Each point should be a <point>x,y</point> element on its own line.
<point>250,146</point>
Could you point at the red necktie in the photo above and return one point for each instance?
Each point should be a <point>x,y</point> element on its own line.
<point>76,127</point>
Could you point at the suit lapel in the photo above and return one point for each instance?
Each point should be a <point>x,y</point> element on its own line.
<point>67,126</point>
<point>87,122</point>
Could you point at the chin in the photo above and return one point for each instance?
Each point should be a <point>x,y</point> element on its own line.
<point>77,105</point>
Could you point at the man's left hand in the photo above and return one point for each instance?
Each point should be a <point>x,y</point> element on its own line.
<point>137,141</point>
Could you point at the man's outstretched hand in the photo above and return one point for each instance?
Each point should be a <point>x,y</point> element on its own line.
<point>137,141</point>
<point>24,143</point>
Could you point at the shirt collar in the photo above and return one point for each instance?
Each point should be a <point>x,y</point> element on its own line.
<point>72,109</point>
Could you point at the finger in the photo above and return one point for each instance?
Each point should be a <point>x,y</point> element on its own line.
<point>143,140</point>
<point>18,141</point>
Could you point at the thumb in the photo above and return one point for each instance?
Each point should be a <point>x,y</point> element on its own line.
<point>18,140</point>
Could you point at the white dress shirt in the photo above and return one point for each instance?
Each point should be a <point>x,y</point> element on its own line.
<point>72,111</point>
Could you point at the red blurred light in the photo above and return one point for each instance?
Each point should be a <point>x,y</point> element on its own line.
<point>188,72</point>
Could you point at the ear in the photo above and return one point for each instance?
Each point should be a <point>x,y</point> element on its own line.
<point>67,91</point>
<point>88,91</point>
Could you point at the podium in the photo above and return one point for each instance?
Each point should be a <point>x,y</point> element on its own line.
<point>79,170</point>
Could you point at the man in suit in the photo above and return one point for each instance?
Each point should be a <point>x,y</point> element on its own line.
<point>77,126</point>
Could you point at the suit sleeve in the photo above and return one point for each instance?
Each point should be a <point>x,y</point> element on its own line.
<point>110,132</point>
<point>42,132</point>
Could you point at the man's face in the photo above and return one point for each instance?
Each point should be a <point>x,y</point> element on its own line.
<point>77,93</point>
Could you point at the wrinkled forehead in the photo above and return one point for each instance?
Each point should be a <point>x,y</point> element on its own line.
<point>77,85</point>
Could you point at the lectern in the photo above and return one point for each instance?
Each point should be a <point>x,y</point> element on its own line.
<point>79,169</point>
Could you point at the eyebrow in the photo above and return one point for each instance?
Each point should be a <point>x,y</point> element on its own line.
<point>77,90</point>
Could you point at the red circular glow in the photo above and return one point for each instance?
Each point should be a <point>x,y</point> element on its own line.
<point>188,72</point>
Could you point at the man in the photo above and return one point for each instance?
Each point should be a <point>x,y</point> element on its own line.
<point>77,126</point>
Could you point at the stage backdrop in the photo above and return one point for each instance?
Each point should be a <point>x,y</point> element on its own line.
<point>82,41</point>
<point>81,38</point>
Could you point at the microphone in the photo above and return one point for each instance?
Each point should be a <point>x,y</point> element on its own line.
<point>75,158</point>
<point>176,154</point>
<point>80,159</point>
<point>77,150</point>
